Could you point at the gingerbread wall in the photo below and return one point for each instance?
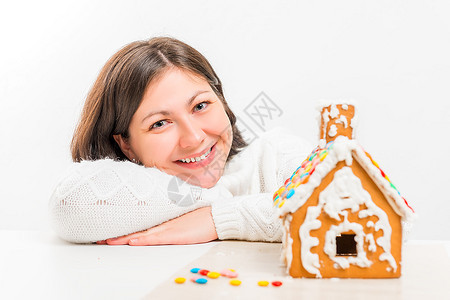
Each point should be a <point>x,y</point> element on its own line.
<point>379,268</point>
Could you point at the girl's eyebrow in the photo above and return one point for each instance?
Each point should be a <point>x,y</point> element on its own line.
<point>165,112</point>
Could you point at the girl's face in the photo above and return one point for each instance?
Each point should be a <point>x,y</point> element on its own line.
<point>181,128</point>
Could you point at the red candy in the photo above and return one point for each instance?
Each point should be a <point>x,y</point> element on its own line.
<point>277,283</point>
<point>203,272</point>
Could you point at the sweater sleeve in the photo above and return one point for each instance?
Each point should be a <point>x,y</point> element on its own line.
<point>247,217</point>
<point>252,216</point>
<point>97,200</point>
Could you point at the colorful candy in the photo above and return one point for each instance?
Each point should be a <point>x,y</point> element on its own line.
<point>180,280</point>
<point>387,178</point>
<point>195,270</point>
<point>198,279</point>
<point>203,272</point>
<point>235,282</point>
<point>213,275</point>
<point>290,193</point>
<point>277,283</point>
<point>230,273</point>
<point>201,280</point>
<point>301,175</point>
<point>263,283</point>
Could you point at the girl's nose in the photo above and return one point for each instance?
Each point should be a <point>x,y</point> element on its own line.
<point>191,135</point>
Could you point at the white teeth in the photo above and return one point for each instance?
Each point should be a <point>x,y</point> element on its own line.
<point>195,159</point>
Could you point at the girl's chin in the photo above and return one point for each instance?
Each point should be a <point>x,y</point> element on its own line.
<point>206,180</point>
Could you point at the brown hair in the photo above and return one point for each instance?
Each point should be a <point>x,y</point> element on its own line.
<point>119,89</point>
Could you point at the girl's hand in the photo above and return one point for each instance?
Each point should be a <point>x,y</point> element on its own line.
<point>192,228</point>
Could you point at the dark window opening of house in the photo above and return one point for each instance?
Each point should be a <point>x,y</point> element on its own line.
<point>346,245</point>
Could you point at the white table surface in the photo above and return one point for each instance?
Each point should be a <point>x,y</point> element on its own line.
<point>39,265</point>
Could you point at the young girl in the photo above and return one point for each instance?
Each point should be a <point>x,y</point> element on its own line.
<point>159,159</point>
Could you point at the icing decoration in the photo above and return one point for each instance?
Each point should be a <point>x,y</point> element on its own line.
<point>333,130</point>
<point>320,160</point>
<point>342,119</point>
<point>333,112</point>
<point>343,199</point>
<point>309,175</point>
<point>344,193</point>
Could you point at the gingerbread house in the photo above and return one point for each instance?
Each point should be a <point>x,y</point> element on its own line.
<point>342,216</point>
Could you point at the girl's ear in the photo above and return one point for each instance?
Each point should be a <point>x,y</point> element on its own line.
<point>125,147</point>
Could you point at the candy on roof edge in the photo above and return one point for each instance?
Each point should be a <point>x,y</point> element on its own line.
<point>341,149</point>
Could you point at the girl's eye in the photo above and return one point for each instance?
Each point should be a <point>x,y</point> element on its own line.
<point>201,105</point>
<point>158,124</point>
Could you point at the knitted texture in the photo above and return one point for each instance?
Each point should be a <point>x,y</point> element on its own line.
<point>97,200</point>
<point>251,177</point>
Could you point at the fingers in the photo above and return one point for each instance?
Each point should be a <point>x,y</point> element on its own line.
<point>101,242</point>
<point>167,237</point>
<point>155,237</point>
<point>148,240</point>
<point>118,241</point>
<point>123,240</point>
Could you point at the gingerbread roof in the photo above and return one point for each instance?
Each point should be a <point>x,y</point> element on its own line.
<point>298,188</point>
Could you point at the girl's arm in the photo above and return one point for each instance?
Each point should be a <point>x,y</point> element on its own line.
<point>249,217</point>
<point>102,199</point>
<point>192,228</point>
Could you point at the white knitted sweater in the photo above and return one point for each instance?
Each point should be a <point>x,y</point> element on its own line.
<point>97,200</point>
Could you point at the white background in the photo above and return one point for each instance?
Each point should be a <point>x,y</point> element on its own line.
<point>390,56</point>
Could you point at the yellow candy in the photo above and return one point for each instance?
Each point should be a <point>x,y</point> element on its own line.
<point>281,204</point>
<point>213,275</point>
<point>276,201</point>
<point>232,270</point>
<point>323,155</point>
<point>375,163</point>
<point>235,282</point>
<point>263,283</point>
<point>180,280</point>
<point>308,167</point>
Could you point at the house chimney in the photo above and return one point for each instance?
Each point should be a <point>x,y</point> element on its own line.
<point>336,120</point>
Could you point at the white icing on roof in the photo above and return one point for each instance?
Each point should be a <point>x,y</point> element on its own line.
<point>345,149</point>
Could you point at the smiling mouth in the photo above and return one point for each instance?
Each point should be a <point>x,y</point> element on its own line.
<point>196,159</point>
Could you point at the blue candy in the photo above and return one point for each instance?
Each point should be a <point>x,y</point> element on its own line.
<point>201,280</point>
<point>290,193</point>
